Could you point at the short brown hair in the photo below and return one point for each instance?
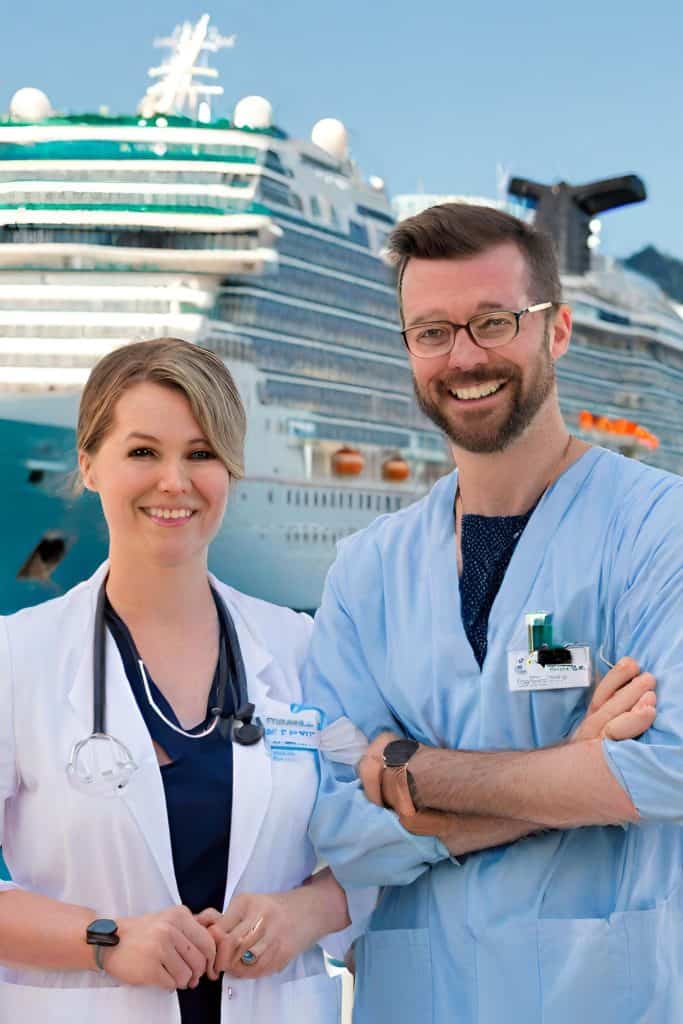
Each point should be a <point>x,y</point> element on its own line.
<point>200,375</point>
<point>462,230</point>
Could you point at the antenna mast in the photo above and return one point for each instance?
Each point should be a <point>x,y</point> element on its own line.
<point>180,85</point>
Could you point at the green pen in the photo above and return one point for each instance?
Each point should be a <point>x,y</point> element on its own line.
<point>539,630</point>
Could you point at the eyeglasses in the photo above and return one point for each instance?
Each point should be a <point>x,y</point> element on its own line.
<point>487,330</point>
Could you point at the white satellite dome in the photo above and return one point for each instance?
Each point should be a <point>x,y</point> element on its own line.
<point>253,112</point>
<point>30,105</point>
<point>376,183</point>
<point>332,136</point>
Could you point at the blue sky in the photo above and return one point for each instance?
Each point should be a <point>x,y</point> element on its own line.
<point>433,93</point>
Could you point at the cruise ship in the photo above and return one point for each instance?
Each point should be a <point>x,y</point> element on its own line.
<point>231,234</point>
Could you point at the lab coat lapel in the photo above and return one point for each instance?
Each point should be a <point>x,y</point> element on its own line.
<point>144,795</point>
<point>252,781</point>
<point>451,646</point>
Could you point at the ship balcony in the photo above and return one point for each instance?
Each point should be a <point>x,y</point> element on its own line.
<point>85,256</point>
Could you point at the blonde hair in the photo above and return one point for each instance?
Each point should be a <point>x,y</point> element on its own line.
<point>200,375</point>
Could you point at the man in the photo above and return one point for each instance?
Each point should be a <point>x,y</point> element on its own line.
<point>423,633</point>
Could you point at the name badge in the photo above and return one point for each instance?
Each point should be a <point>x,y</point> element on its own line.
<point>524,672</point>
<point>292,732</point>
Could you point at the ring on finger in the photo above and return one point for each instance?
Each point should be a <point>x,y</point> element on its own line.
<point>248,958</point>
<point>254,927</point>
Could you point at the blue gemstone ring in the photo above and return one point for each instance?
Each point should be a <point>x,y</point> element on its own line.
<point>248,958</point>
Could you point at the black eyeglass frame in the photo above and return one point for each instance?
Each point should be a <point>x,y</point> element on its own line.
<point>537,308</point>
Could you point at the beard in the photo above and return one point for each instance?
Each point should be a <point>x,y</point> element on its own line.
<point>480,435</point>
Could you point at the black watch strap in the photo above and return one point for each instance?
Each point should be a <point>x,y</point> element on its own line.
<point>102,932</point>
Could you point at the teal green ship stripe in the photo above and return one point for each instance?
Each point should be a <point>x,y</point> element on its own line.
<point>218,211</point>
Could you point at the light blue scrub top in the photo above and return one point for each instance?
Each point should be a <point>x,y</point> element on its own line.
<point>567,927</point>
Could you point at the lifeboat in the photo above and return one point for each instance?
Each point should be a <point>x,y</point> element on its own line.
<point>395,469</point>
<point>347,462</point>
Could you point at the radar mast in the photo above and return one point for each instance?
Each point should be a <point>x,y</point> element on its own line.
<point>180,85</point>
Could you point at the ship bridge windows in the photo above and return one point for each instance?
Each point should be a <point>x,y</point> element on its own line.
<point>358,233</point>
<point>277,192</point>
<point>273,162</point>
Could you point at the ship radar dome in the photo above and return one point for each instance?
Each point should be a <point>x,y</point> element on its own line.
<point>376,183</point>
<point>253,112</point>
<point>332,136</point>
<point>29,105</point>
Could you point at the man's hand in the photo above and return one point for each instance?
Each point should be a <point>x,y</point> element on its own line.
<point>371,767</point>
<point>623,707</point>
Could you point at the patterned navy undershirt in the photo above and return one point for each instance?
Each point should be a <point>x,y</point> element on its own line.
<point>487,544</point>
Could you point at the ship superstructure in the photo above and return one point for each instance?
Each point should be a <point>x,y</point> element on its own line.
<point>230,234</point>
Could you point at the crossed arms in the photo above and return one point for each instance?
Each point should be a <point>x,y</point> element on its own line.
<point>472,800</point>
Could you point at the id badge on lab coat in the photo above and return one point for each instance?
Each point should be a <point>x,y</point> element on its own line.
<point>525,674</point>
<point>292,732</point>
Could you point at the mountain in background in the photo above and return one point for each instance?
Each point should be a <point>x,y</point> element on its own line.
<point>666,271</point>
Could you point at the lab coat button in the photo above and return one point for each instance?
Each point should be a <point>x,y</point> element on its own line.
<point>230,992</point>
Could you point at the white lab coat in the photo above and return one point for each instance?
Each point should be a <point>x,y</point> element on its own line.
<point>114,854</point>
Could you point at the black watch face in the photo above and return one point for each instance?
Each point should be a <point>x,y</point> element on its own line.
<point>398,752</point>
<point>103,926</point>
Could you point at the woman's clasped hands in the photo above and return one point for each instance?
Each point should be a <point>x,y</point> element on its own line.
<point>260,933</point>
<point>257,935</point>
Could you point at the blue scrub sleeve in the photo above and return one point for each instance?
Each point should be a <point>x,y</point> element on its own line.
<point>363,844</point>
<point>8,771</point>
<point>648,625</point>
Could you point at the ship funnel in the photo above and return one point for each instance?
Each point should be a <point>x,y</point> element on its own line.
<point>566,212</point>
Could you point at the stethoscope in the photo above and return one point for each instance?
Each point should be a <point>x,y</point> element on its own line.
<point>101,765</point>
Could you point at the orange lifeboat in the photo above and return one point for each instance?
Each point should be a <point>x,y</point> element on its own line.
<point>395,469</point>
<point>347,462</point>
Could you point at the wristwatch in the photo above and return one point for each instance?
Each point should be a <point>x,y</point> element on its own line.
<point>100,933</point>
<point>396,755</point>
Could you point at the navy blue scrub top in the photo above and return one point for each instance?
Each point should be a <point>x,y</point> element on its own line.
<point>487,544</point>
<point>198,788</point>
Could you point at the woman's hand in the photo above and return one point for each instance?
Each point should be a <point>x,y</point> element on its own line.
<point>170,949</point>
<point>623,707</point>
<point>274,927</point>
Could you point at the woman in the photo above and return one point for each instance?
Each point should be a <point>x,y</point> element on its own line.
<point>126,847</point>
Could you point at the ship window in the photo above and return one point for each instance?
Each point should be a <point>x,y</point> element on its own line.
<point>350,501</point>
<point>297,497</point>
<point>378,502</point>
<point>333,499</point>
<point>305,498</point>
<point>315,206</point>
<point>270,497</point>
<point>315,498</point>
<point>289,497</point>
<point>323,499</point>
<point>368,501</point>
<point>387,503</point>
